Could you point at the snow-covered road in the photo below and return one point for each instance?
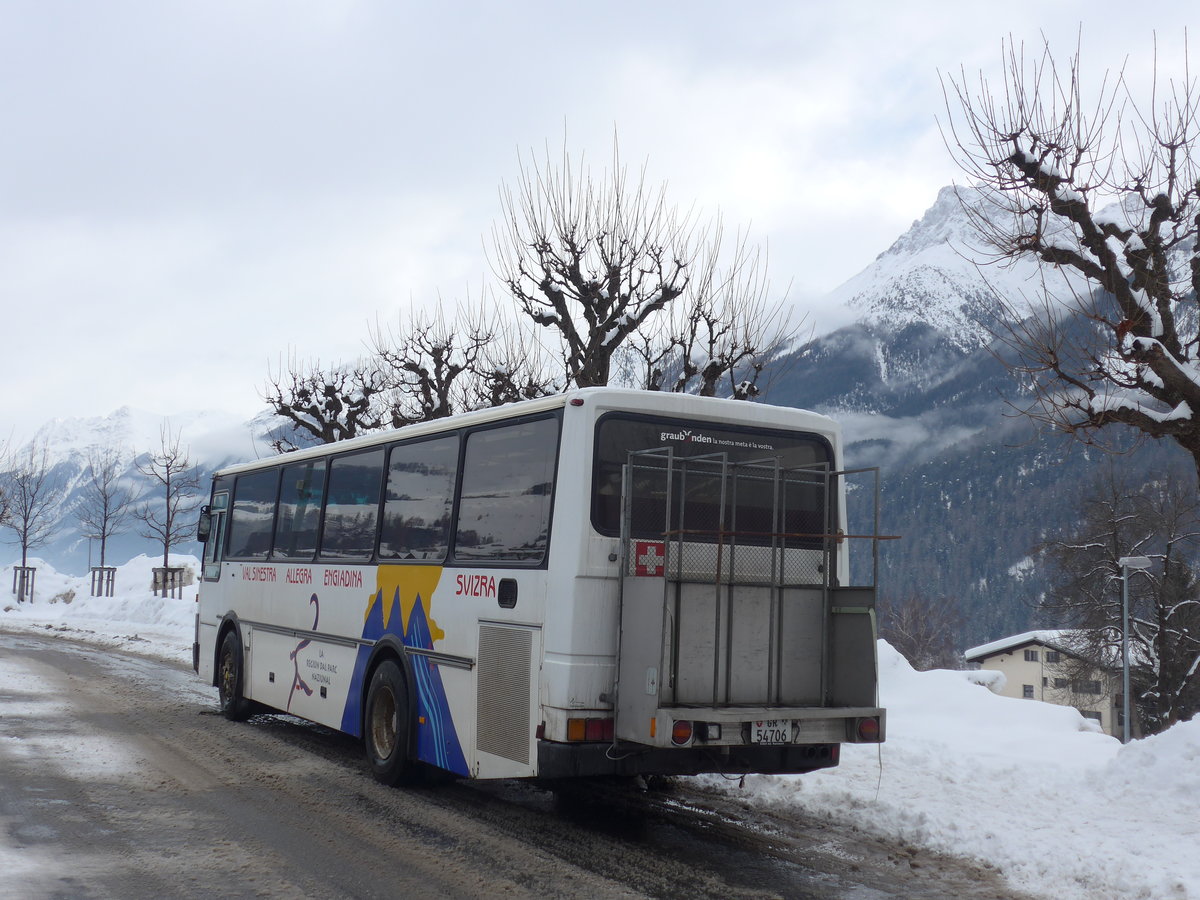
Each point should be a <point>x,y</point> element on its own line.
<point>121,765</point>
<point>1028,789</point>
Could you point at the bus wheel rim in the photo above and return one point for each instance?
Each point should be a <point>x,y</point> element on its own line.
<point>383,724</point>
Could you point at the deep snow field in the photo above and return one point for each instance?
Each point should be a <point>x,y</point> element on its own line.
<point>1060,809</point>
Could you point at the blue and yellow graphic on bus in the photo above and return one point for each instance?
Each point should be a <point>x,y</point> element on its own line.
<point>399,607</point>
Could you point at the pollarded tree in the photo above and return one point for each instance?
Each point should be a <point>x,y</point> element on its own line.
<point>434,368</point>
<point>322,404</point>
<point>512,367</point>
<point>604,260</point>
<point>426,362</point>
<point>720,340</point>
<point>425,368</point>
<point>1103,190</point>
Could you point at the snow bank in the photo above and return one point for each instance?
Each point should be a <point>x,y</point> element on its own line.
<point>133,616</point>
<point>1171,758</point>
<point>1034,789</point>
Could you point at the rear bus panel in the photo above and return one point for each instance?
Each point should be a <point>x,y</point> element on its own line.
<point>747,633</point>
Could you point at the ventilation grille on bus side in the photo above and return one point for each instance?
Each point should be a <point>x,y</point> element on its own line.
<point>504,692</point>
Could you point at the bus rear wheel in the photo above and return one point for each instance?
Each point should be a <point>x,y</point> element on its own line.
<point>234,706</point>
<point>386,729</point>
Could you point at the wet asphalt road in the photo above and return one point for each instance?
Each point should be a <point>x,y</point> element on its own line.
<point>119,779</point>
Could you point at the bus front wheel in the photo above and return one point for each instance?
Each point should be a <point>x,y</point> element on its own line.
<point>386,728</point>
<point>234,706</point>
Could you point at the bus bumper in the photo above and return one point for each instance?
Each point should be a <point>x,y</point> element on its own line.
<point>558,760</point>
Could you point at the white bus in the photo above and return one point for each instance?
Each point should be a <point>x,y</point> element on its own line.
<point>603,582</point>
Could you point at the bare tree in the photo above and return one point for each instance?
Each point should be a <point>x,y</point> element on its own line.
<point>425,359</point>
<point>5,504</point>
<point>424,368</point>
<point>107,499</point>
<point>599,259</point>
<point>324,404</point>
<point>165,520</point>
<point>435,368</point>
<point>924,630</point>
<point>600,264</point>
<point>32,501</point>
<point>512,367</point>
<point>1162,522</point>
<point>725,335</point>
<point>1103,190</point>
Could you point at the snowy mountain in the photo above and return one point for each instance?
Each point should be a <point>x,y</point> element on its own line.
<point>931,277</point>
<point>213,437</point>
<point>916,382</point>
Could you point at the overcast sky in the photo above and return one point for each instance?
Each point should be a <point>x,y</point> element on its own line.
<point>191,190</point>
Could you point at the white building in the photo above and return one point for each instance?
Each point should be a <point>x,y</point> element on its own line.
<point>1039,665</point>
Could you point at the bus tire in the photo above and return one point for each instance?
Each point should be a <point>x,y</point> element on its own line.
<point>386,725</point>
<point>234,705</point>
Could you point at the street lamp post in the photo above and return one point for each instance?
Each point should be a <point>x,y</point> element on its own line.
<point>1126,563</point>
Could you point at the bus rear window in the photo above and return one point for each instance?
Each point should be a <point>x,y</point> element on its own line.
<point>701,503</point>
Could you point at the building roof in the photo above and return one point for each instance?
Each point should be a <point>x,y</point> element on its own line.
<point>1065,640</point>
<point>1055,639</point>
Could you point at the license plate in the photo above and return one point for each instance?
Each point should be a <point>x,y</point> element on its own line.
<point>771,731</point>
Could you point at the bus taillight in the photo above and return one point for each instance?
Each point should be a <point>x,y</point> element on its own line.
<point>868,730</point>
<point>594,729</point>
<point>681,732</point>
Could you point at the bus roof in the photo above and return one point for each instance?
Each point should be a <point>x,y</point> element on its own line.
<point>737,412</point>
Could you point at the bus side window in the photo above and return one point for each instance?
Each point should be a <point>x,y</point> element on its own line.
<point>419,500</point>
<point>300,510</point>
<point>352,505</point>
<point>252,518</point>
<point>506,493</point>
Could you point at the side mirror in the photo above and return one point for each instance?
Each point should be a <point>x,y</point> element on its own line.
<point>204,526</point>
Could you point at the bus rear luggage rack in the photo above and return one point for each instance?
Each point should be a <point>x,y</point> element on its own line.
<point>756,615</point>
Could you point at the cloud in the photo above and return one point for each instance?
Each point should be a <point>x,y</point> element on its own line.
<point>188,191</point>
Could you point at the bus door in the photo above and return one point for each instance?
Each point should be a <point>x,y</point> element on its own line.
<point>214,545</point>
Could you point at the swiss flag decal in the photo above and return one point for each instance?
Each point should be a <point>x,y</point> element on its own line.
<point>649,558</point>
